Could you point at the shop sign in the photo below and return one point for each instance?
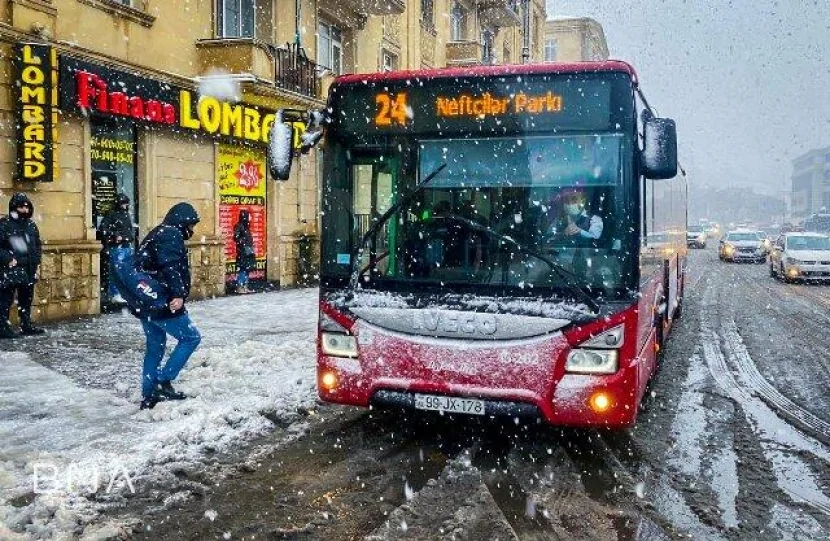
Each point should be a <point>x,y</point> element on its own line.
<point>240,172</point>
<point>36,113</point>
<point>94,89</point>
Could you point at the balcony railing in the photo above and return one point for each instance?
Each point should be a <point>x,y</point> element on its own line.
<point>295,72</point>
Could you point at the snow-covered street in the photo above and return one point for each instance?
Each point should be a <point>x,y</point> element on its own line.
<point>732,442</point>
<point>69,405</point>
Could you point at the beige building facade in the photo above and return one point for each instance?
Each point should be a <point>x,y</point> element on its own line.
<point>574,39</point>
<point>103,96</point>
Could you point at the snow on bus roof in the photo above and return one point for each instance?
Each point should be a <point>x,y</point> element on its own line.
<point>496,70</point>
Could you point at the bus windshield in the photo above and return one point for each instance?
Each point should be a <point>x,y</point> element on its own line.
<point>527,208</point>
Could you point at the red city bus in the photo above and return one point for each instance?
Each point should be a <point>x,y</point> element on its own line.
<point>496,240</point>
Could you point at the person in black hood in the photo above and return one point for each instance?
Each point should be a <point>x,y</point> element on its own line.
<point>118,236</point>
<point>245,253</point>
<point>163,255</point>
<point>20,256</point>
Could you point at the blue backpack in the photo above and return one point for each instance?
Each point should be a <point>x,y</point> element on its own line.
<point>144,294</point>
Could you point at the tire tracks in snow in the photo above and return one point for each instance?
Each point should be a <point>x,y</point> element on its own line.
<point>774,421</point>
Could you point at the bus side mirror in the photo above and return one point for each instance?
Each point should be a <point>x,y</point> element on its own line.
<point>659,156</point>
<point>280,148</point>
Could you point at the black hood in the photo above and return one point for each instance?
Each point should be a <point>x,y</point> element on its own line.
<point>244,217</point>
<point>181,216</point>
<point>21,200</point>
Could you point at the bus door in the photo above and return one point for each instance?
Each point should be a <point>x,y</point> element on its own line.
<point>375,189</point>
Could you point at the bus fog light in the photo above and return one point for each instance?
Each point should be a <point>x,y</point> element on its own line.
<point>339,345</point>
<point>328,380</point>
<point>592,361</point>
<point>600,402</point>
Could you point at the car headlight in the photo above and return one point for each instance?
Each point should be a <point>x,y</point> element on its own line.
<point>701,238</point>
<point>339,345</point>
<point>592,361</point>
<point>728,248</point>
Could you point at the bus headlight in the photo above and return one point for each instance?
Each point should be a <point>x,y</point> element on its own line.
<point>592,361</point>
<point>339,345</point>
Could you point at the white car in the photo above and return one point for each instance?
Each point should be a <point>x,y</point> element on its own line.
<point>801,256</point>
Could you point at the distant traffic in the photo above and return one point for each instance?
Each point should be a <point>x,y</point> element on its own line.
<point>792,252</point>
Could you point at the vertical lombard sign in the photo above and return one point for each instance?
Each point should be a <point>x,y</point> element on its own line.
<point>36,73</point>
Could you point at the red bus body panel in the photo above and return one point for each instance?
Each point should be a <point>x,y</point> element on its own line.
<point>530,371</point>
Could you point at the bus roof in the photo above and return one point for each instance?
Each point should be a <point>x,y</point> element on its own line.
<point>492,70</point>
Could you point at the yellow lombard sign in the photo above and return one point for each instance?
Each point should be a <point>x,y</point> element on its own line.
<point>243,121</point>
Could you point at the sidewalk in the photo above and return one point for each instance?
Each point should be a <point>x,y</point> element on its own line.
<point>69,402</point>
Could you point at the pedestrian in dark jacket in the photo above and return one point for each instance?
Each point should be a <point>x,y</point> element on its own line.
<point>20,256</point>
<point>118,236</point>
<point>245,254</point>
<point>163,255</point>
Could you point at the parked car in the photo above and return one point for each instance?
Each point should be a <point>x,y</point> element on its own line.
<point>696,236</point>
<point>742,245</point>
<point>801,256</point>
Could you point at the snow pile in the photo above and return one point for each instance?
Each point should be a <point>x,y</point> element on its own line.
<point>68,448</point>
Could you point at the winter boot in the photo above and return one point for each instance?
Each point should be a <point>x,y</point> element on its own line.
<point>30,330</point>
<point>149,402</point>
<point>6,332</point>
<point>165,391</point>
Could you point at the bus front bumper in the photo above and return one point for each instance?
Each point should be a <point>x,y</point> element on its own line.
<point>557,398</point>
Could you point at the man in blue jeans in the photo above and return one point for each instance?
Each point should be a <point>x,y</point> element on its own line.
<point>163,255</point>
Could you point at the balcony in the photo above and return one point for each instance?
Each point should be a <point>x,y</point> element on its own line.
<point>295,72</point>
<point>464,53</point>
<point>500,13</point>
<point>287,67</point>
<point>236,55</point>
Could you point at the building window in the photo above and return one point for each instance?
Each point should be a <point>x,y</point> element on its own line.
<point>236,18</point>
<point>330,47</point>
<point>488,54</point>
<point>428,13</point>
<point>458,22</point>
<point>550,50</point>
<point>388,61</point>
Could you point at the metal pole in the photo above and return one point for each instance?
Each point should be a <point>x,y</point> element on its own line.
<point>526,31</point>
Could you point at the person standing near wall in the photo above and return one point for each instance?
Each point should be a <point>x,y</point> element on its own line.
<point>20,256</point>
<point>245,253</point>
<point>118,236</point>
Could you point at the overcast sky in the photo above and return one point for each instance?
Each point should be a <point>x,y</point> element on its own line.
<point>747,81</point>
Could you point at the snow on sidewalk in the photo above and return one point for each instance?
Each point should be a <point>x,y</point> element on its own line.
<point>69,404</point>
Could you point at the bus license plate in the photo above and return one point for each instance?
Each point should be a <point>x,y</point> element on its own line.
<point>450,404</point>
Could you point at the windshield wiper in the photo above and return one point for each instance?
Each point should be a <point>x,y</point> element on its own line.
<point>568,278</point>
<point>375,227</point>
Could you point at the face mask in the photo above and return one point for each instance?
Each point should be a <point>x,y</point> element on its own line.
<point>572,209</point>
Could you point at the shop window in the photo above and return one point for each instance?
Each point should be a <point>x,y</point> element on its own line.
<point>112,153</point>
<point>236,18</point>
<point>458,22</point>
<point>330,47</point>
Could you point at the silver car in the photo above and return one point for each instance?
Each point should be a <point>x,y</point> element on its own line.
<point>801,256</point>
<point>742,245</point>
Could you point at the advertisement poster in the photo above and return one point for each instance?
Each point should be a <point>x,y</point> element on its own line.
<point>242,185</point>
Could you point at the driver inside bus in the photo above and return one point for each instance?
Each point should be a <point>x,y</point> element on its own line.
<point>575,226</point>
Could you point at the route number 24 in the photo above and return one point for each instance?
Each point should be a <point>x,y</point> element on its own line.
<point>391,110</point>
